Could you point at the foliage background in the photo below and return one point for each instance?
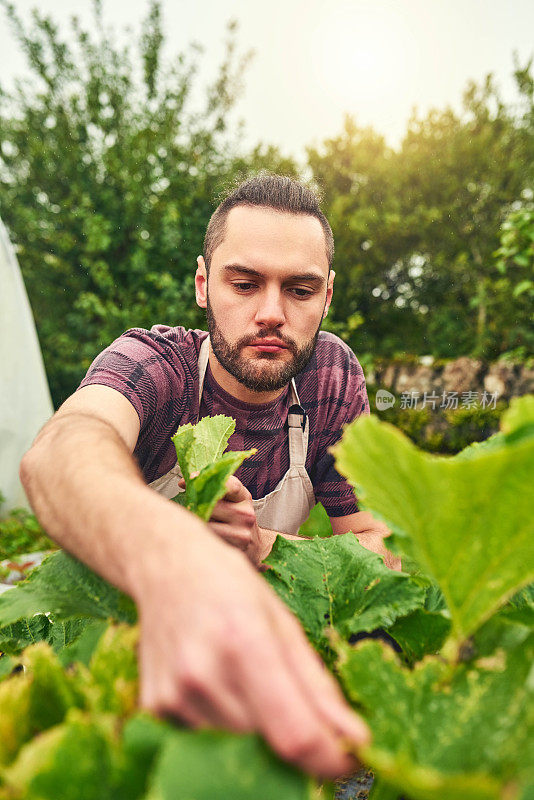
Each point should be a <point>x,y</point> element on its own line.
<point>109,173</point>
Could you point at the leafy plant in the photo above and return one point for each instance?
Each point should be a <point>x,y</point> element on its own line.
<point>203,463</point>
<point>21,533</point>
<point>111,156</point>
<point>465,519</point>
<point>452,712</point>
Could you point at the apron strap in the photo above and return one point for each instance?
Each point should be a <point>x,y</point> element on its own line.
<point>203,358</point>
<point>298,423</point>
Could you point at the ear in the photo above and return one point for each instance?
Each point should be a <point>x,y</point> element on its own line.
<point>201,283</point>
<point>329,291</point>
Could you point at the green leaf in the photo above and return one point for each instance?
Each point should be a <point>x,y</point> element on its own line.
<point>183,441</point>
<point>335,584</point>
<point>434,728</point>
<point>82,648</point>
<point>113,670</point>
<point>420,633</point>
<point>67,589</point>
<point>500,632</point>
<point>317,524</point>
<point>519,415</point>
<point>200,445</point>
<point>510,627</point>
<point>380,790</point>
<point>522,287</point>
<point>14,638</point>
<point>72,761</point>
<point>199,449</point>
<point>205,490</point>
<point>36,699</point>
<point>466,520</point>
<point>142,739</point>
<point>205,765</point>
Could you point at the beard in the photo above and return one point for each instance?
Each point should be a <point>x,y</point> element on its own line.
<point>264,373</point>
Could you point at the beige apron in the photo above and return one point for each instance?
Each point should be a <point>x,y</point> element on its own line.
<point>289,504</point>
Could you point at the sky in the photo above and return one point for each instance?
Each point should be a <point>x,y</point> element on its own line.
<point>316,60</point>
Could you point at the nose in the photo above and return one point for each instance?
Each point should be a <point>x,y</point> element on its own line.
<point>270,310</point>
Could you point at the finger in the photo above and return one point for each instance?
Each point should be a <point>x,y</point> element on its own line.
<point>319,686</point>
<point>309,667</point>
<point>181,481</point>
<point>235,491</point>
<point>214,707</point>
<point>238,537</point>
<point>237,513</point>
<point>195,700</point>
<point>285,716</point>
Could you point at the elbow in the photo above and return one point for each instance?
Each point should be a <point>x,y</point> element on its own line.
<point>29,466</point>
<point>27,469</point>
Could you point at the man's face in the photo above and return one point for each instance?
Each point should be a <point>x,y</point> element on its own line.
<point>266,296</point>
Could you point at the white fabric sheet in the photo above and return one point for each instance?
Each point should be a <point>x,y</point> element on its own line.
<point>25,402</point>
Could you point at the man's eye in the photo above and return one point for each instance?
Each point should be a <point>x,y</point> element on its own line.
<point>243,286</point>
<point>300,292</point>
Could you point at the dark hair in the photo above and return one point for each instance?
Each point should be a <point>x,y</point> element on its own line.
<point>268,191</point>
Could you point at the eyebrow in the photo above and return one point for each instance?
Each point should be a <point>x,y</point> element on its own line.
<point>306,277</point>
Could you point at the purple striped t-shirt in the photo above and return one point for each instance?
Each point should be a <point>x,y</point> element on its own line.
<point>157,371</point>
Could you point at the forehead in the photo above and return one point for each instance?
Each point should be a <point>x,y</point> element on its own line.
<point>264,238</point>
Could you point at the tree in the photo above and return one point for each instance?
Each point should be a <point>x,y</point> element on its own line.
<point>416,228</point>
<point>358,174</point>
<point>108,177</point>
<point>461,174</point>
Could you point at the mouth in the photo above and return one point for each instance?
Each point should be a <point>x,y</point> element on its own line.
<point>269,346</point>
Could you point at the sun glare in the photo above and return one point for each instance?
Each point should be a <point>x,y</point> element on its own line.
<point>364,54</point>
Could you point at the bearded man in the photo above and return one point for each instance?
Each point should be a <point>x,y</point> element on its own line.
<point>217,647</point>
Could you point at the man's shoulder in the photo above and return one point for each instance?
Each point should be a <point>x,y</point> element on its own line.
<point>165,335</point>
<point>333,375</point>
<point>331,350</point>
<point>333,360</point>
<point>159,356</point>
<point>161,342</point>
<point>156,369</point>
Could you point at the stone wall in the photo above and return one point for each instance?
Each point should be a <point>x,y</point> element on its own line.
<point>462,375</point>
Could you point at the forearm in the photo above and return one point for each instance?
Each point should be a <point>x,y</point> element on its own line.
<point>373,540</point>
<point>89,495</point>
<point>268,538</point>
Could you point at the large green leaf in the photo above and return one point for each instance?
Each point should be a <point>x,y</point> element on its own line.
<point>67,589</point>
<point>443,733</point>
<point>467,520</point>
<point>335,584</point>
<point>420,633</point>
<point>205,765</point>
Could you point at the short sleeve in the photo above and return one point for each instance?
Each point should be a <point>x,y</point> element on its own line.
<point>143,369</point>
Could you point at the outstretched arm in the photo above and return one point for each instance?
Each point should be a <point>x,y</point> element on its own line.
<point>370,533</point>
<point>217,646</point>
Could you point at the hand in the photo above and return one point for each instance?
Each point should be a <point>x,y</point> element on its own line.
<point>218,648</point>
<point>234,520</point>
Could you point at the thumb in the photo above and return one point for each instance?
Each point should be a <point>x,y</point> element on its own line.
<point>181,481</point>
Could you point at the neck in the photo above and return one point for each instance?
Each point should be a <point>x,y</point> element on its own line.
<point>235,388</point>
